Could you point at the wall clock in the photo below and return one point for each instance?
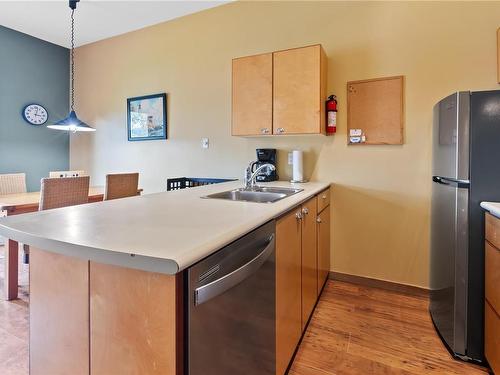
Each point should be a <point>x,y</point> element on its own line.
<point>35,114</point>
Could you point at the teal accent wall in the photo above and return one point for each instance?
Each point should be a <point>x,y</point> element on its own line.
<point>32,71</point>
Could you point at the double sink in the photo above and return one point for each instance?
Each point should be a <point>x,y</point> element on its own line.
<point>258,194</point>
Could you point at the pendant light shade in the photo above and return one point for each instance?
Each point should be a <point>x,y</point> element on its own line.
<point>72,123</point>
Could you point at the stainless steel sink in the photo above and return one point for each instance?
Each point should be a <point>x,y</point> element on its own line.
<point>258,194</point>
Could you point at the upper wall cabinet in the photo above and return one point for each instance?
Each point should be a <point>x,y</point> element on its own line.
<point>299,91</point>
<point>280,93</point>
<point>253,95</point>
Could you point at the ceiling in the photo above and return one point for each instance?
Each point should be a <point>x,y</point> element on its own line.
<point>94,19</point>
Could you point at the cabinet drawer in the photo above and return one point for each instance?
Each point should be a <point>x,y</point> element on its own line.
<point>323,199</point>
<point>493,230</point>
<point>492,276</point>
<point>492,338</point>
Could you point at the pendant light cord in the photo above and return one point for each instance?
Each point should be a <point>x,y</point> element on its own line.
<point>72,59</point>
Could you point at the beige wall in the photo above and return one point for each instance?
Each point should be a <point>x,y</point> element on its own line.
<point>381,194</point>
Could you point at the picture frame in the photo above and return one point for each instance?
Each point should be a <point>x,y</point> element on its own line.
<point>147,117</point>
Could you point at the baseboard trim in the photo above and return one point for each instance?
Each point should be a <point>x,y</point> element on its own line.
<point>381,284</point>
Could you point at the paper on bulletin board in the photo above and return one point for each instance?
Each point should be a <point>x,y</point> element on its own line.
<point>356,136</point>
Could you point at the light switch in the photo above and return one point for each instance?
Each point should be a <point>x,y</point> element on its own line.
<point>205,143</point>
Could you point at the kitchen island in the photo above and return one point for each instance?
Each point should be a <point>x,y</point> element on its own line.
<point>107,281</point>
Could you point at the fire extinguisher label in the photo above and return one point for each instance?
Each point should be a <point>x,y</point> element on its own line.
<point>332,118</point>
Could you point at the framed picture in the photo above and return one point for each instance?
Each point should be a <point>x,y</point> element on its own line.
<point>147,117</point>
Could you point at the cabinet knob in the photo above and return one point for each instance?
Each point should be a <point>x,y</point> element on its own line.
<point>280,130</point>
<point>305,210</point>
<point>264,131</point>
<point>318,220</point>
<point>323,196</point>
<point>298,215</point>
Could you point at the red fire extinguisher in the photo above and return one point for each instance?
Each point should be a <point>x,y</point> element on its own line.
<point>331,115</point>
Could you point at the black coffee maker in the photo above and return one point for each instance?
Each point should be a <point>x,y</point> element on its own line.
<point>266,156</point>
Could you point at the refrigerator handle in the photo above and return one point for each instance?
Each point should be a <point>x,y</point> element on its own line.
<point>439,180</point>
<point>464,184</point>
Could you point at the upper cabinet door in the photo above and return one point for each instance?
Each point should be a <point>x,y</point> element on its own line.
<point>252,95</point>
<point>299,91</point>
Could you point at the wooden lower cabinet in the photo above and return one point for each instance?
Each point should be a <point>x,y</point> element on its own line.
<point>134,321</point>
<point>302,246</point>
<point>59,314</point>
<point>323,247</point>
<point>309,260</point>
<point>492,276</point>
<point>323,199</point>
<point>492,293</point>
<point>288,288</point>
<point>493,230</point>
<point>492,337</point>
<point>91,318</point>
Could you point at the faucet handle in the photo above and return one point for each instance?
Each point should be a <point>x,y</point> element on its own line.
<point>249,169</point>
<point>248,174</point>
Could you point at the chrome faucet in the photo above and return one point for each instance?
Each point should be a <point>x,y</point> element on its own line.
<point>250,176</point>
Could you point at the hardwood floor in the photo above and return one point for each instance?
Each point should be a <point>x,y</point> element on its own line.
<point>361,330</point>
<point>354,330</point>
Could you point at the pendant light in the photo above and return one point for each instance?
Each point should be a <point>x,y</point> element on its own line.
<point>72,123</point>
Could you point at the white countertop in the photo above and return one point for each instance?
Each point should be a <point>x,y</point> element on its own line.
<point>492,207</point>
<point>163,232</point>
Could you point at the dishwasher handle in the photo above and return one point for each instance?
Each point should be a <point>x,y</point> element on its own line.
<point>226,282</point>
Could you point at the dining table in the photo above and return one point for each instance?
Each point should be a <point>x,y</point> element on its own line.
<point>22,203</point>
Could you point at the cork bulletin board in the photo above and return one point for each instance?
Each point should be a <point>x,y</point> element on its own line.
<point>375,111</point>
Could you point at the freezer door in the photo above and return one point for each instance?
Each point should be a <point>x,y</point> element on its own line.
<point>450,157</point>
<point>449,220</point>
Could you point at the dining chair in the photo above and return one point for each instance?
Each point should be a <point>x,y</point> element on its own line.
<point>12,183</point>
<point>121,185</point>
<point>62,192</point>
<point>62,174</point>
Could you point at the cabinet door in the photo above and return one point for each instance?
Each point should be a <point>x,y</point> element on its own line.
<point>309,260</point>
<point>134,321</point>
<point>492,337</point>
<point>288,288</point>
<point>299,91</point>
<point>323,247</point>
<point>252,95</point>
<point>59,314</point>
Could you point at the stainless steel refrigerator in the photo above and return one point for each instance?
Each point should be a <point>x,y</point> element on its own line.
<point>466,171</point>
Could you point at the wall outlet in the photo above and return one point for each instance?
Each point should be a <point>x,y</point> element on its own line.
<point>205,143</point>
<point>290,158</point>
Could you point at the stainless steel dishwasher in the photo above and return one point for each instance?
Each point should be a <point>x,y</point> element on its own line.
<point>231,313</point>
